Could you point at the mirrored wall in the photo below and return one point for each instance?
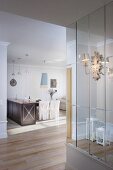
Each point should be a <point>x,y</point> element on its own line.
<point>92,126</point>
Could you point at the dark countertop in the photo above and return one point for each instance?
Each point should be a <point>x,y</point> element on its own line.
<point>22,101</point>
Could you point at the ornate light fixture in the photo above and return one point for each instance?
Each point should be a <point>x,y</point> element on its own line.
<point>44,79</point>
<point>85,59</point>
<point>19,73</point>
<point>13,82</point>
<point>96,65</point>
<point>13,74</point>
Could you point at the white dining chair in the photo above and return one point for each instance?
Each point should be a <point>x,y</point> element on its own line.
<point>43,110</point>
<point>54,109</point>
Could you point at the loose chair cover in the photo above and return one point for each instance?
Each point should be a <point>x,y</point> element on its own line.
<point>43,110</point>
<point>54,109</point>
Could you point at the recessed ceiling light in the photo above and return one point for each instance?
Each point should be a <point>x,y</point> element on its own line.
<point>26,55</point>
<point>19,58</point>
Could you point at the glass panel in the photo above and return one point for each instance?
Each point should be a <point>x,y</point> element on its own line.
<point>109,84</point>
<point>71,43</point>
<point>82,85</point>
<point>97,83</point>
<point>74,102</point>
<point>93,128</point>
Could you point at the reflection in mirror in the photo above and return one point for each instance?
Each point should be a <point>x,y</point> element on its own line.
<point>83,84</point>
<point>92,109</point>
<point>97,83</point>
<point>109,84</point>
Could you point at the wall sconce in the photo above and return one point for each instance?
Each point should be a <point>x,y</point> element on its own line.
<point>85,60</point>
<point>110,68</point>
<point>96,65</point>
<point>110,73</point>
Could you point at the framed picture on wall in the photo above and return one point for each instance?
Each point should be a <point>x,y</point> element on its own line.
<point>53,83</point>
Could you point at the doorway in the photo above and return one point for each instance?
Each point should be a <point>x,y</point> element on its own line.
<point>69,102</point>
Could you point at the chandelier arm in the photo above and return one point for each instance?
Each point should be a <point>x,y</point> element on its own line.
<point>87,73</point>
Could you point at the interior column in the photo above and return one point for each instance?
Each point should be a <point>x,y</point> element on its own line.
<point>3,89</point>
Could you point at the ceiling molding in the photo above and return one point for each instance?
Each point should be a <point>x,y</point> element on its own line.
<point>38,66</point>
<point>4,43</point>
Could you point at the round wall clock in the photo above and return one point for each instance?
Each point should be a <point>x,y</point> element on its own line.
<point>13,82</point>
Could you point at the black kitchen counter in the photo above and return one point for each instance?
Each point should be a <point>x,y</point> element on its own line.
<point>21,111</point>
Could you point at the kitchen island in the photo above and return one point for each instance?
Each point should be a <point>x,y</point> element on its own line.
<point>22,112</point>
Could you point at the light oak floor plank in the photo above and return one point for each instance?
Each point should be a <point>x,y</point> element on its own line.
<point>42,149</point>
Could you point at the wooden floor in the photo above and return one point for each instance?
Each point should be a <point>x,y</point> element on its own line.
<point>104,153</point>
<point>42,149</point>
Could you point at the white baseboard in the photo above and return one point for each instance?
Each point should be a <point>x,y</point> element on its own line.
<point>3,129</point>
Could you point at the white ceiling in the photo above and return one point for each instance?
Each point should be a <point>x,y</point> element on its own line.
<point>41,41</point>
<point>61,12</point>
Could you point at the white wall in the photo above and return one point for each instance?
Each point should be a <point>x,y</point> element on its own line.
<point>28,83</point>
<point>3,89</point>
